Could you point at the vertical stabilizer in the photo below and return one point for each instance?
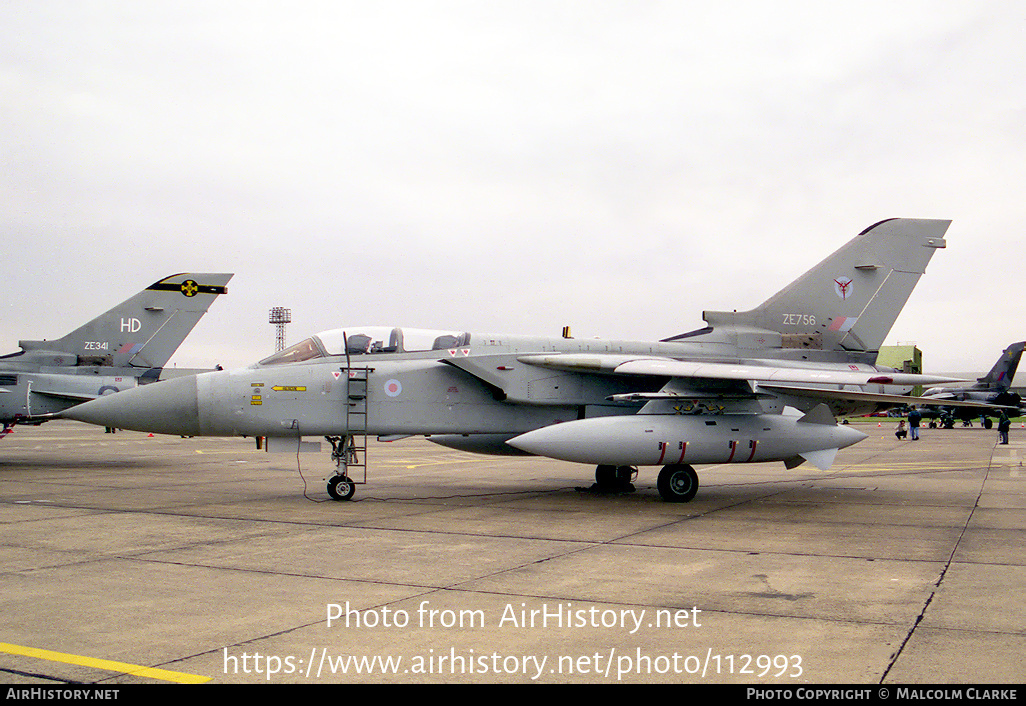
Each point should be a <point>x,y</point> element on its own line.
<point>145,330</point>
<point>1000,376</point>
<point>850,300</point>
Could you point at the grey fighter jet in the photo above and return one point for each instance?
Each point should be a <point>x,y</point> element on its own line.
<point>749,387</point>
<point>120,349</point>
<point>993,389</point>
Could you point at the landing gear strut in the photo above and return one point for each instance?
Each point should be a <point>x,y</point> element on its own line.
<point>677,483</point>
<point>343,453</point>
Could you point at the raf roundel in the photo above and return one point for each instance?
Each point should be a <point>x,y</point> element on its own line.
<point>843,287</point>
<point>393,388</point>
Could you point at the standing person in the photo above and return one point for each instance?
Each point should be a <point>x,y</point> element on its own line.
<point>1004,424</point>
<point>914,417</point>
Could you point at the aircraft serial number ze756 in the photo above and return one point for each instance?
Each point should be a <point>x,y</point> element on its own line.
<point>799,320</point>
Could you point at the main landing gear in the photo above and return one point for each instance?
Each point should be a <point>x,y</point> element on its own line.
<point>677,483</point>
<point>614,479</point>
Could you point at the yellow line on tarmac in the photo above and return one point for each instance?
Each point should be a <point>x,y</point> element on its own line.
<point>133,669</point>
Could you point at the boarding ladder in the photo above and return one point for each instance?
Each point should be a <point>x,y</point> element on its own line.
<point>352,448</point>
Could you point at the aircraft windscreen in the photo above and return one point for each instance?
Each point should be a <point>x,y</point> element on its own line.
<point>304,350</point>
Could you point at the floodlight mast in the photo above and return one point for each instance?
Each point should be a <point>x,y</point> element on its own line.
<point>279,316</point>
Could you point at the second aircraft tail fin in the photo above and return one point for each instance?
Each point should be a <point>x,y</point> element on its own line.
<point>145,330</point>
<point>1000,376</point>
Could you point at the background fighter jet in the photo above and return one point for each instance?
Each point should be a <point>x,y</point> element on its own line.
<point>992,388</point>
<point>755,386</point>
<point>126,346</point>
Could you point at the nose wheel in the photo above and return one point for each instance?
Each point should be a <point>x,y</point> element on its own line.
<point>341,487</point>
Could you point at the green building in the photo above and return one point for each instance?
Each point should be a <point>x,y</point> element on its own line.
<point>906,358</point>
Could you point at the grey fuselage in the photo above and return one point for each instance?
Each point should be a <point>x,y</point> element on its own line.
<point>37,383</point>
<point>480,388</point>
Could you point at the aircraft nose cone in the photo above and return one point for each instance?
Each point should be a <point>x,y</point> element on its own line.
<point>849,436</point>
<point>167,407</point>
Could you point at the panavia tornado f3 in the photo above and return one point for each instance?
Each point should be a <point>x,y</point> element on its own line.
<point>993,389</point>
<point>749,387</point>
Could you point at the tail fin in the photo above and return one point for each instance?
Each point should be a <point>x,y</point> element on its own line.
<point>849,301</point>
<point>1000,376</point>
<point>145,330</point>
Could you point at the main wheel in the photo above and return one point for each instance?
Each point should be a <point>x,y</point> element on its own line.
<point>605,476</point>
<point>341,488</point>
<point>612,478</point>
<point>677,484</point>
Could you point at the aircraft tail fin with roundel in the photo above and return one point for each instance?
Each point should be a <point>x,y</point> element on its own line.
<point>848,302</point>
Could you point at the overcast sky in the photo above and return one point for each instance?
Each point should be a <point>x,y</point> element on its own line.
<point>517,167</point>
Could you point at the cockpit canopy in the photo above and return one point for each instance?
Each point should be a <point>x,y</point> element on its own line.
<point>368,339</point>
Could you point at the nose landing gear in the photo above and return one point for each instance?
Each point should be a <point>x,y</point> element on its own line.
<point>344,454</point>
<point>341,487</point>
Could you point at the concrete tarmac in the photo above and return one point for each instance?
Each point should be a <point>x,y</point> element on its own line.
<point>128,558</point>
